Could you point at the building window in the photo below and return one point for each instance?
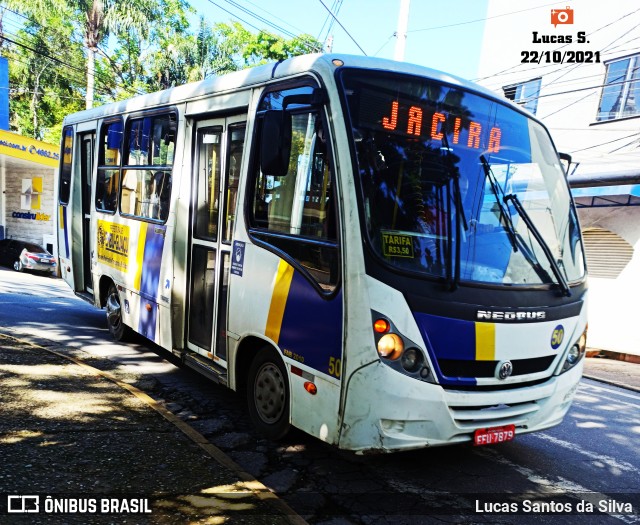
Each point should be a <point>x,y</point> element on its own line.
<point>621,93</point>
<point>525,94</point>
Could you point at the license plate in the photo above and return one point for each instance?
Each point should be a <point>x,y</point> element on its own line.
<point>493,435</point>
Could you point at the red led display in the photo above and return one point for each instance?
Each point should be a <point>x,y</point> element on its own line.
<point>477,136</point>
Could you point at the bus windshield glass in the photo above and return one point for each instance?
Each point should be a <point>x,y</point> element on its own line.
<point>458,186</point>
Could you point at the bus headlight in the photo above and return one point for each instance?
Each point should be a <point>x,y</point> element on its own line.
<point>575,353</point>
<point>412,360</point>
<point>390,346</point>
<point>399,352</point>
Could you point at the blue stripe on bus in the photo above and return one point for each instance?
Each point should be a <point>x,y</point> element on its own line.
<point>311,331</point>
<point>448,338</point>
<point>150,278</point>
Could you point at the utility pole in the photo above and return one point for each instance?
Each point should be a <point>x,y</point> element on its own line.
<point>329,44</point>
<point>401,32</point>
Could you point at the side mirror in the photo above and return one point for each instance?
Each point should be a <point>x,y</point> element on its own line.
<point>275,148</point>
<point>566,158</point>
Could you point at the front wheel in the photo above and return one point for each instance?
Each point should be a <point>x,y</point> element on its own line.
<point>117,328</point>
<point>268,395</point>
<point>17,266</point>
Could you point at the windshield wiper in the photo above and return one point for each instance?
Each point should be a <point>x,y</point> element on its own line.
<point>538,236</point>
<point>513,235</point>
<point>505,214</point>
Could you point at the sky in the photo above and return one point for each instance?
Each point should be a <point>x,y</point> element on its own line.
<point>445,36</point>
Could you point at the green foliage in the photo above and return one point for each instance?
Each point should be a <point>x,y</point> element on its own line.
<point>126,47</point>
<point>44,90</point>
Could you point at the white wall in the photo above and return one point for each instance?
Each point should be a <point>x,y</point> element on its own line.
<point>571,117</point>
<point>569,101</point>
<point>614,303</point>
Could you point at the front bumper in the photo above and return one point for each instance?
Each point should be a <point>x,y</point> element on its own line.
<point>39,267</point>
<point>402,413</point>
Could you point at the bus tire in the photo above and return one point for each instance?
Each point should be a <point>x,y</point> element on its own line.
<point>268,394</point>
<point>119,331</point>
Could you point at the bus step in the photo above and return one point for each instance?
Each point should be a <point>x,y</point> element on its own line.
<point>206,367</point>
<point>86,296</point>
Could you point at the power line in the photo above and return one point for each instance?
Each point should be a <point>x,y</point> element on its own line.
<point>562,46</point>
<point>260,18</point>
<point>343,28</point>
<point>105,90</point>
<point>480,19</point>
<point>605,143</point>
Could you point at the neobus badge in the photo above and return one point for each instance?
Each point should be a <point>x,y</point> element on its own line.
<point>493,315</point>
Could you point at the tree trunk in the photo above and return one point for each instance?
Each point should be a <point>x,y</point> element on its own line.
<point>91,67</point>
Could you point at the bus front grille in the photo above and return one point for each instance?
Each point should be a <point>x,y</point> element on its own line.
<point>493,415</point>
<point>475,369</point>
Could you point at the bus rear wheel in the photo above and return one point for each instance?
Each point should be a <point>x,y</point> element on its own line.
<point>117,328</point>
<point>268,395</point>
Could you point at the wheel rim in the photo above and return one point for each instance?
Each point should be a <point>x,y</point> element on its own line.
<point>114,313</point>
<point>17,266</point>
<point>269,393</point>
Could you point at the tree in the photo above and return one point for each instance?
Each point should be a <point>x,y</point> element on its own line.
<point>98,18</point>
<point>43,89</point>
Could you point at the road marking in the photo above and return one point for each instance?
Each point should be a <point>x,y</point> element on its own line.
<point>559,485</point>
<point>248,482</point>
<point>595,456</point>
<point>597,388</point>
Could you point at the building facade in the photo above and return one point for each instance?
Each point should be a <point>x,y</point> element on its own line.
<point>576,66</point>
<point>27,183</point>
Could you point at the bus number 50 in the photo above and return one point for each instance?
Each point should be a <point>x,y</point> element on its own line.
<point>335,367</point>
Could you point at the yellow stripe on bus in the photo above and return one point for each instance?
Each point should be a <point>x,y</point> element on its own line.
<point>485,342</point>
<point>142,237</point>
<point>279,300</point>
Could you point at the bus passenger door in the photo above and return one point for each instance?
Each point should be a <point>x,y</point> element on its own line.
<point>87,148</point>
<point>218,156</point>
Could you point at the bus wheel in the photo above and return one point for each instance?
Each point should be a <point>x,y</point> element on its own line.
<point>17,266</point>
<point>118,329</point>
<point>268,395</point>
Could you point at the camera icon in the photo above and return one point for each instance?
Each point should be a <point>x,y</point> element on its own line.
<point>562,16</point>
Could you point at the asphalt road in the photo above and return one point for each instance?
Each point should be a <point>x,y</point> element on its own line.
<point>582,471</point>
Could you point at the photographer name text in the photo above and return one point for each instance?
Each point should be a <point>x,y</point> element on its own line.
<point>608,506</point>
<point>560,56</point>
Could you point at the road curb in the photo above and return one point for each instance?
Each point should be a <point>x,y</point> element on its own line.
<point>611,382</point>
<point>616,356</point>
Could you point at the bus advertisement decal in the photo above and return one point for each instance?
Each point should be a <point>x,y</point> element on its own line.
<point>151,262</point>
<point>113,245</point>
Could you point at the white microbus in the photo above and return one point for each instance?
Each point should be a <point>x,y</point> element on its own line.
<point>382,255</point>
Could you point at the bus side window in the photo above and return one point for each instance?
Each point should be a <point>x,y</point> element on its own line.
<point>148,160</point>
<point>296,212</point>
<point>109,156</point>
<point>65,166</point>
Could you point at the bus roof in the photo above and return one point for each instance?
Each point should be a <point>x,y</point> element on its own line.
<point>262,74</point>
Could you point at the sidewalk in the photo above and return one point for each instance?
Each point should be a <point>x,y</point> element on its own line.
<point>615,368</point>
<point>68,432</point>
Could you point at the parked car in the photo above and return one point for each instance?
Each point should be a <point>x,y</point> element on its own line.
<point>22,255</point>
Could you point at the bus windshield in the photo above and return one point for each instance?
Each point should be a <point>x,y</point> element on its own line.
<point>459,186</point>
